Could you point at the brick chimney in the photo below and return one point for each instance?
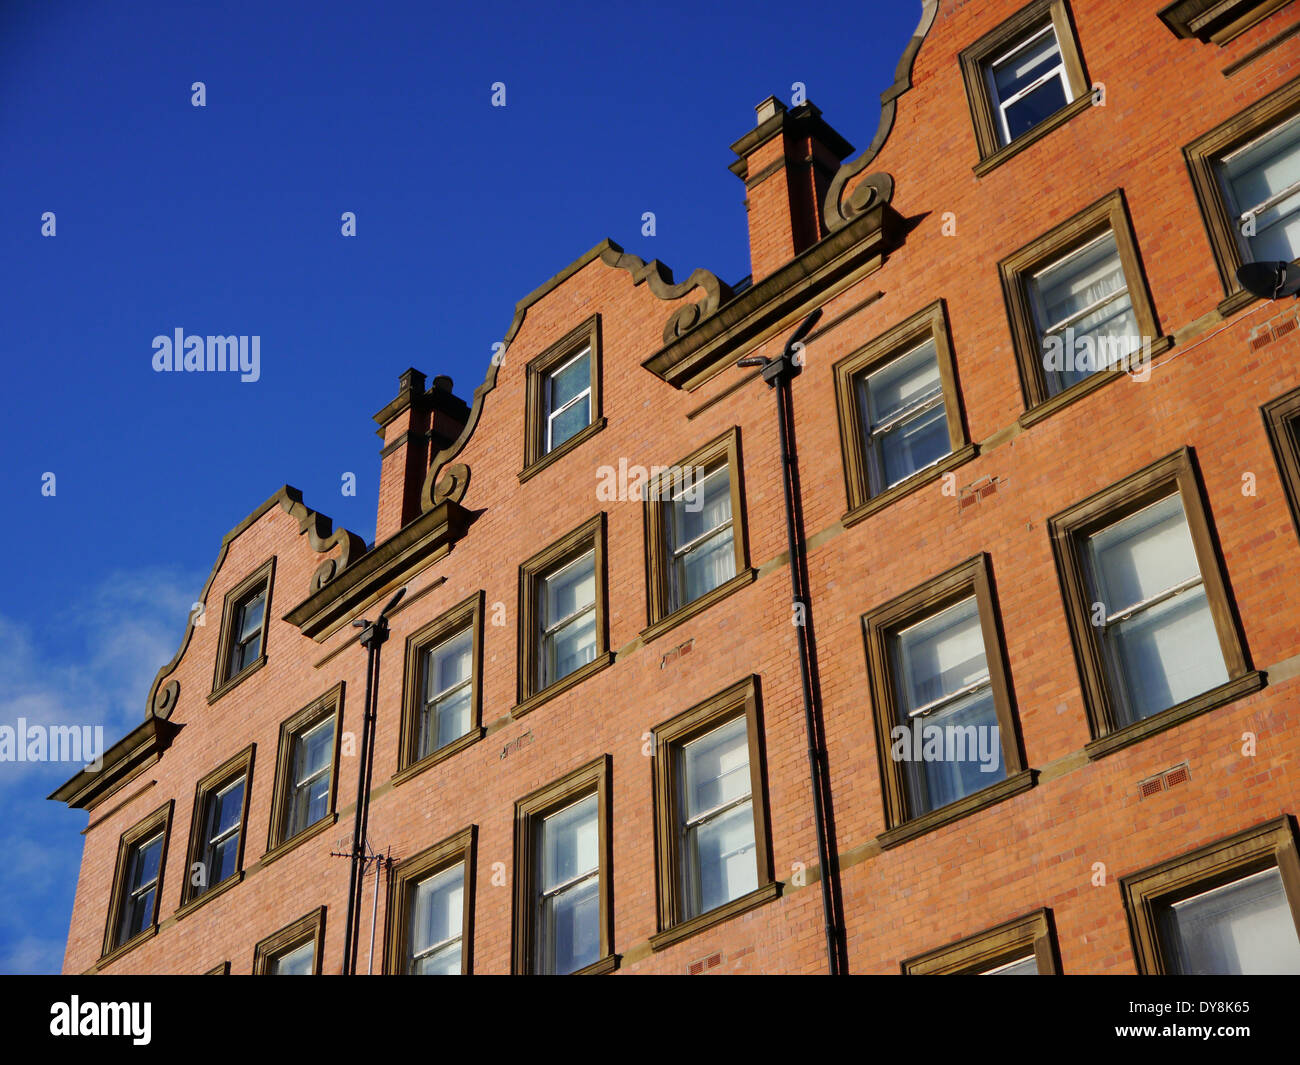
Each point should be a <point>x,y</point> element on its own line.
<point>414,427</point>
<point>787,163</point>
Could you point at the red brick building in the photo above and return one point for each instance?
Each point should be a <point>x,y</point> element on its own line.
<point>1049,468</point>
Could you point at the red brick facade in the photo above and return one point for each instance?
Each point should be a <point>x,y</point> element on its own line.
<point>1062,844</point>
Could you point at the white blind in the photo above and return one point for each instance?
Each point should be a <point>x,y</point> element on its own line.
<point>1244,928</point>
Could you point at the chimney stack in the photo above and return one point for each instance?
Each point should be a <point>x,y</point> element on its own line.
<point>786,162</point>
<point>414,427</point>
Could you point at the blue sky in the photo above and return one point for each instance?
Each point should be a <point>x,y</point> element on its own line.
<point>225,219</point>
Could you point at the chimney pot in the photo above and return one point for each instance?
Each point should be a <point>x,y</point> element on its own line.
<point>768,109</point>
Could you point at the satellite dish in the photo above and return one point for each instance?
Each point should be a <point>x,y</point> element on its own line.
<point>1270,281</point>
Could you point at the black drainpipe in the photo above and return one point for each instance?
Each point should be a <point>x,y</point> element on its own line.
<point>372,639</point>
<point>778,373</point>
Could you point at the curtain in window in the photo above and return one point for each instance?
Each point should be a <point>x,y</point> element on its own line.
<point>941,655</point>
<point>566,593</point>
<point>1169,652</point>
<point>297,962</point>
<point>722,863</point>
<point>934,661</point>
<point>900,443</point>
<point>437,908</point>
<point>705,507</point>
<point>446,717</point>
<point>313,755</point>
<point>1067,288</point>
<point>1256,175</point>
<point>1243,928</point>
<point>569,926</point>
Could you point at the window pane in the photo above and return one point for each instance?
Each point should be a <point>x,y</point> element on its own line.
<point>904,382</point>
<point>717,768</point>
<point>568,648</point>
<point>242,655</point>
<point>449,663</point>
<point>912,445</point>
<point>905,446</point>
<point>1022,967</point>
<point>228,807</point>
<point>315,748</point>
<point>705,567</point>
<point>940,655</point>
<point>570,929</point>
<point>451,718</point>
<point>146,865</point>
<point>1079,280</point>
<point>137,915</point>
<point>1166,654</point>
<point>723,859</point>
<point>1026,65</point>
<point>138,905</point>
<point>297,962</point>
<point>964,754</point>
<point>1242,928</point>
<point>442,962</point>
<point>1143,555</point>
<point>563,387</point>
<point>570,843</point>
<point>1031,109</point>
<point>1263,170</point>
<point>250,619</point>
<point>569,918</point>
<point>1084,343</point>
<point>570,422</point>
<point>221,860</point>
<point>437,908</point>
<point>570,380</point>
<point>705,506</point>
<point>570,589</point>
<point>309,790</point>
<point>1017,72</point>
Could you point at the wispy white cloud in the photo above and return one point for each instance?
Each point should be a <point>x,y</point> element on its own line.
<point>32,954</point>
<point>88,663</point>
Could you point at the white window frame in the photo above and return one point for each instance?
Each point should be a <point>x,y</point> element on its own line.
<point>549,630</point>
<point>1058,71</point>
<point>553,413</point>
<point>1059,327</point>
<point>543,946</point>
<point>214,838</point>
<point>133,894</point>
<point>426,740</point>
<point>414,956</point>
<point>1125,613</point>
<point>296,786</point>
<point>677,554</point>
<point>1230,198</point>
<point>874,434</point>
<point>692,873</point>
<point>240,641</point>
